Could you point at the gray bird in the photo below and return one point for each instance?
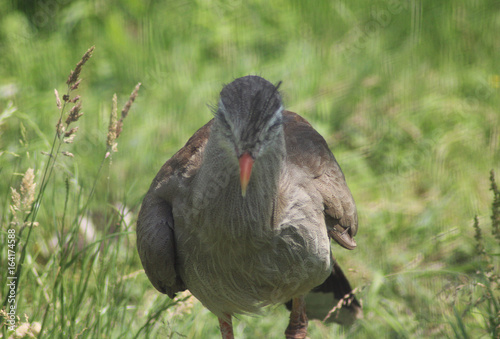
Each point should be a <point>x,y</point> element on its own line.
<point>243,214</point>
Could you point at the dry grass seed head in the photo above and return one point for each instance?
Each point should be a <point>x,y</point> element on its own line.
<point>71,132</point>
<point>126,109</point>
<point>28,187</point>
<point>111,145</point>
<point>27,329</point>
<point>21,202</point>
<point>70,135</point>
<point>74,113</point>
<point>75,85</point>
<point>59,127</point>
<point>495,207</point>
<point>345,300</point>
<point>68,154</point>
<point>58,100</point>
<point>73,76</point>
<point>479,237</point>
<point>70,139</point>
<point>15,207</point>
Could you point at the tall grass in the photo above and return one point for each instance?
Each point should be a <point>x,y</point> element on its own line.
<point>73,278</point>
<point>405,92</point>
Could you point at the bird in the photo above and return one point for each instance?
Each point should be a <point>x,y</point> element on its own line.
<point>243,215</point>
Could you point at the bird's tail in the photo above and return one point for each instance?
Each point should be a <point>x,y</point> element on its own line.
<point>333,300</point>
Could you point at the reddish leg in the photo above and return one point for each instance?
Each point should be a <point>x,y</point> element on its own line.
<point>297,327</point>
<point>226,327</point>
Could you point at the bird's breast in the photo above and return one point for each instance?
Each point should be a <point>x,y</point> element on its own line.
<point>237,254</point>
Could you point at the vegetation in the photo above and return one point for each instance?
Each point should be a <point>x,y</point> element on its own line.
<point>406,94</point>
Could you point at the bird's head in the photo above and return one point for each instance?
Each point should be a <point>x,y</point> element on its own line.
<point>249,116</point>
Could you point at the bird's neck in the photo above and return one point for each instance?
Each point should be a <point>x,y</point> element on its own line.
<point>217,197</point>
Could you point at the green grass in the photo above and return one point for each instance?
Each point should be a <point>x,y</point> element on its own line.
<point>405,93</point>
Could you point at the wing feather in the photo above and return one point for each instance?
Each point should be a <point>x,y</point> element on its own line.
<point>156,224</point>
<point>307,149</point>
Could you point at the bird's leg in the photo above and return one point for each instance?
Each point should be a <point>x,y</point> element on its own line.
<point>226,327</point>
<point>297,327</point>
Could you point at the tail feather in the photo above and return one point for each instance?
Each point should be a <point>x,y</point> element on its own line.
<point>333,300</point>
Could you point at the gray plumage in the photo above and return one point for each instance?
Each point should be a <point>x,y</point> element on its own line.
<point>236,254</point>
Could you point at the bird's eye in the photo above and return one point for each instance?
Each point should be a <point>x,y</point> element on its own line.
<point>275,125</point>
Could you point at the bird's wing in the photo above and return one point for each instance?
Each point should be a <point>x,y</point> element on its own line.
<point>307,149</point>
<point>155,224</point>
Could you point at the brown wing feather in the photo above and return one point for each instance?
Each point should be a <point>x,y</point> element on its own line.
<point>155,224</point>
<point>308,149</point>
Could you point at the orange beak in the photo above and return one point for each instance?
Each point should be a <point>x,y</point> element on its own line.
<point>246,163</point>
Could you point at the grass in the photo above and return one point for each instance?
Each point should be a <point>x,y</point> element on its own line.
<point>405,93</point>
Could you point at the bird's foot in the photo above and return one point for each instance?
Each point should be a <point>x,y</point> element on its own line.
<point>296,331</point>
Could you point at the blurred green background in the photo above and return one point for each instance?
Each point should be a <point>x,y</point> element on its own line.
<point>405,92</point>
